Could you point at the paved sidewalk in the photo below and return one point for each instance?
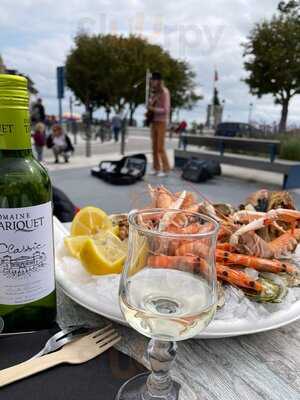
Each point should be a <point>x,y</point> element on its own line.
<point>85,189</point>
<point>263,177</point>
<point>75,178</point>
<point>106,151</point>
<point>139,141</point>
<point>82,161</point>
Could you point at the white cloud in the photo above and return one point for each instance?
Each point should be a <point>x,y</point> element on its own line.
<point>36,36</point>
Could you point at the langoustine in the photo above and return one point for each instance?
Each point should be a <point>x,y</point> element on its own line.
<point>241,236</point>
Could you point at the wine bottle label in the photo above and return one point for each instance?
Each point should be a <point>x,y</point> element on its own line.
<point>26,254</point>
<point>14,129</point>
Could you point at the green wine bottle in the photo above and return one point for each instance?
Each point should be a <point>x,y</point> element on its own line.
<point>27,284</point>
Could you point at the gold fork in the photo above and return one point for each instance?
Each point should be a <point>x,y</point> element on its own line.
<point>77,352</point>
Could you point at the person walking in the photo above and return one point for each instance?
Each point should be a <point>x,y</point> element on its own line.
<point>116,124</point>
<point>38,112</point>
<point>180,130</point>
<point>60,143</point>
<point>159,112</point>
<point>39,139</point>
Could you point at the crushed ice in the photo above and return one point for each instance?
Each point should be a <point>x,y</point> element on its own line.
<point>237,305</point>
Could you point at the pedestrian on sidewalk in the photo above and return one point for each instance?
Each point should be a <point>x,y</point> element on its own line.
<point>38,112</point>
<point>60,143</point>
<point>116,124</point>
<point>180,130</point>
<point>39,139</point>
<point>159,112</point>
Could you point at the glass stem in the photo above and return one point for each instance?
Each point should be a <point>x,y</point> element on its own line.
<point>161,357</point>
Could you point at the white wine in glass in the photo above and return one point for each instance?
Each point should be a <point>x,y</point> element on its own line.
<point>160,308</point>
<point>167,290</point>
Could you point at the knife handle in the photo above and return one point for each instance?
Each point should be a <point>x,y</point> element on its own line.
<point>31,367</point>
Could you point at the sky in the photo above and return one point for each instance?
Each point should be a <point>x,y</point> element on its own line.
<point>37,35</point>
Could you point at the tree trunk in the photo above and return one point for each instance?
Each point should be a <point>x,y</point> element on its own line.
<point>284,115</point>
<point>171,115</point>
<point>107,111</point>
<point>132,109</point>
<point>88,146</point>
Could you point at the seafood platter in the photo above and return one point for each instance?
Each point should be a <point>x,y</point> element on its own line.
<point>257,257</point>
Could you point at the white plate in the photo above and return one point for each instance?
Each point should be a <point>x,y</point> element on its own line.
<point>105,301</point>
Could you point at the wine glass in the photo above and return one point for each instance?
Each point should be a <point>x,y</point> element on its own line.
<point>168,291</point>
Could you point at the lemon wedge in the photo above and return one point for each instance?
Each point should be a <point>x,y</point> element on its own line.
<point>89,221</point>
<point>74,244</point>
<point>103,254</point>
<point>115,230</point>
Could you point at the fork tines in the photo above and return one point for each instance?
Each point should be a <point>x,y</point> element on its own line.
<point>105,336</point>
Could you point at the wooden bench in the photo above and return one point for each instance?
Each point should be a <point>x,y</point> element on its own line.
<point>289,169</point>
<point>225,144</point>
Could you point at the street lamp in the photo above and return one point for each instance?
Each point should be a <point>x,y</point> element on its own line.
<point>250,113</point>
<point>223,108</point>
<point>60,80</point>
<point>72,120</point>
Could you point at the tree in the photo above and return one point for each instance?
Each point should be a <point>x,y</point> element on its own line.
<point>289,7</point>
<point>87,67</point>
<point>180,79</point>
<point>137,57</point>
<point>273,59</point>
<point>109,71</point>
<point>102,71</point>
<point>178,76</point>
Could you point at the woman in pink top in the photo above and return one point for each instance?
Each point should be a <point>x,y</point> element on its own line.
<point>159,106</point>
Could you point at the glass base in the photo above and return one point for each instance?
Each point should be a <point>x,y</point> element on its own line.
<point>136,389</point>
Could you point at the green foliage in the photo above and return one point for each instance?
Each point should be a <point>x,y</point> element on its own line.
<point>273,60</point>
<point>274,55</point>
<point>290,149</point>
<point>196,128</point>
<point>87,69</point>
<point>291,7</point>
<point>135,55</point>
<point>109,71</point>
<point>180,79</point>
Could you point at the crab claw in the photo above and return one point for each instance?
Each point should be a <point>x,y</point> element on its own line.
<point>253,226</point>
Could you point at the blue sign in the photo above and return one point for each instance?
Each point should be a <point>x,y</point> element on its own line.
<point>60,76</point>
